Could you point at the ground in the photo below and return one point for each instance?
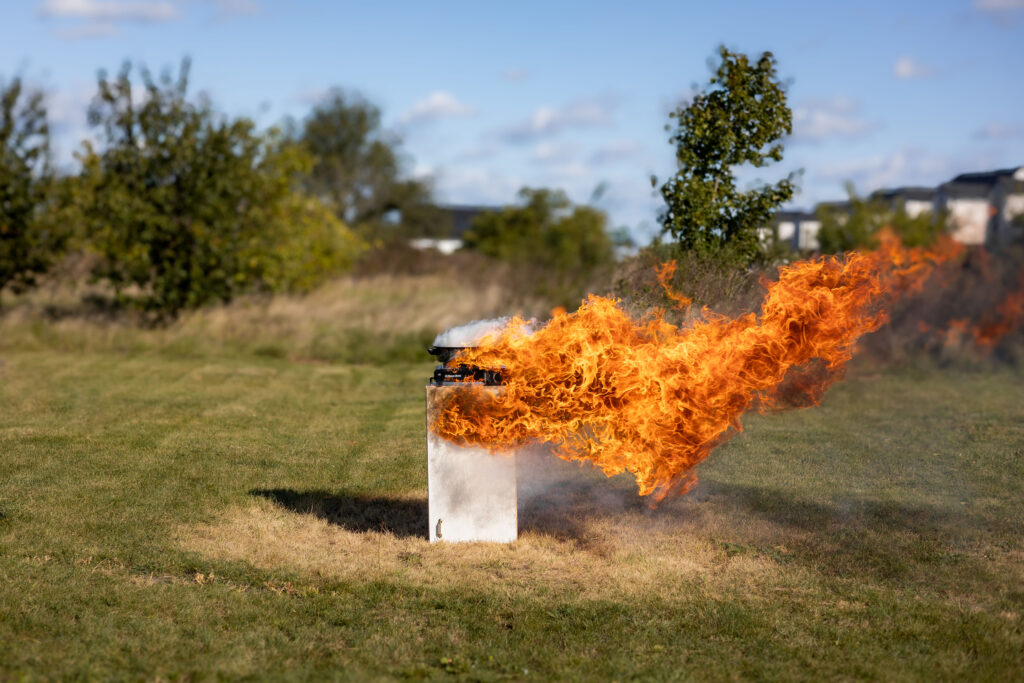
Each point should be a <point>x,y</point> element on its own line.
<point>173,510</point>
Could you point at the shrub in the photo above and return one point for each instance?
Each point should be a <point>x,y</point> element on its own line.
<point>187,207</point>
<point>29,235</point>
<point>858,223</point>
<point>561,245</point>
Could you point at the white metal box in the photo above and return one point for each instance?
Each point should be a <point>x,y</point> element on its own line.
<point>471,492</point>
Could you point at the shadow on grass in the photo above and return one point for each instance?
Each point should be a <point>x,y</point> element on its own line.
<point>790,511</point>
<point>888,540</point>
<point>403,517</point>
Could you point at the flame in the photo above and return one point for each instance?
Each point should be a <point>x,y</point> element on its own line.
<point>1007,317</point>
<point>653,399</point>
<point>994,324</point>
<point>665,272</point>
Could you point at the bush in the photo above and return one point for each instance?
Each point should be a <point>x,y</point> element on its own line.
<point>29,234</point>
<point>708,280</point>
<point>858,224</point>
<point>563,246</point>
<point>188,207</point>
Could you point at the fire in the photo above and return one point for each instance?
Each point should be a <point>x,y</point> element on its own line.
<point>665,273</point>
<point>653,399</point>
<point>1002,320</point>
<point>1008,316</point>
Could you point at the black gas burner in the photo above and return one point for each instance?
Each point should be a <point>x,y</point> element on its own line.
<point>446,374</point>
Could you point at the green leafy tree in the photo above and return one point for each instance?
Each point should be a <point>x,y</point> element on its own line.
<point>857,223</point>
<point>188,207</point>
<point>568,243</point>
<point>29,237</point>
<point>358,169</point>
<point>737,120</point>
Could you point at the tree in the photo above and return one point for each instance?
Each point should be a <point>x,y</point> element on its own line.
<point>187,206</point>
<point>737,120</point>
<point>856,224</point>
<point>357,167</point>
<point>569,243</point>
<point>28,241</point>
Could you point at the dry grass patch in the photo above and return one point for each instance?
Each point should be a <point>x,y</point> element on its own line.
<point>585,538</point>
<point>628,565</point>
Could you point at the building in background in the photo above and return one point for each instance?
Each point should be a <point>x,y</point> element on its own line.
<point>1008,200</point>
<point>912,200</point>
<point>985,208</point>
<point>461,218</point>
<point>797,229</point>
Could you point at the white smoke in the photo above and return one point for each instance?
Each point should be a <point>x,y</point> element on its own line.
<point>470,334</point>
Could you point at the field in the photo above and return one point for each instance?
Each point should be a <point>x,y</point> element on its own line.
<point>244,495</point>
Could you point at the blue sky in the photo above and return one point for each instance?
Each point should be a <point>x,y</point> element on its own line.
<point>489,98</point>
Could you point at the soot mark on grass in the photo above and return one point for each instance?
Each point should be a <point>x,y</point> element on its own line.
<point>403,517</point>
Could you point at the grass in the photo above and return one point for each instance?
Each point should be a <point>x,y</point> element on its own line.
<point>178,504</point>
<point>377,320</point>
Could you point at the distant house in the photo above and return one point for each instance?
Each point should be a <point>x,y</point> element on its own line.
<point>798,229</point>
<point>460,218</point>
<point>982,206</point>
<point>912,200</point>
<point>1007,222</point>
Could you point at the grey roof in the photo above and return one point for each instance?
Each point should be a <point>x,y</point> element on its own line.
<point>924,194</point>
<point>984,178</point>
<point>463,215</point>
<point>958,189</point>
<point>842,205</point>
<point>795,215</point>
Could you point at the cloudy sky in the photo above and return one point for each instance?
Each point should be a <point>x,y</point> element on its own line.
<point>572,95</point>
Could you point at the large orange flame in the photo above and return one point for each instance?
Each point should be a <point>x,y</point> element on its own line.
<point>652,399</point>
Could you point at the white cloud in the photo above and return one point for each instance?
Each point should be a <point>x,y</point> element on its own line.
<point>310,96</point>
<point>820,120</point>
<point>999,131</point>
<point>546,152</point>
<point>998,5</point>
<point>906,166</point>
<point>101,18</point>
<point>89,29</point>
<point>614,152</point>
<point>563,174</point>
<point>67,109</point>
<point>1004,13</point>
<point>548,121</point>
<point>235,8</point>
<point>908,67</point>
<point>436,105</point>
<point>462,184</point>
<point>515,75</point>
<point>111,10</point>
<point>477,152</point>
<point>423,172</point>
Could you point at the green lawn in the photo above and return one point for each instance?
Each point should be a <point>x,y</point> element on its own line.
<point>192,515</point>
